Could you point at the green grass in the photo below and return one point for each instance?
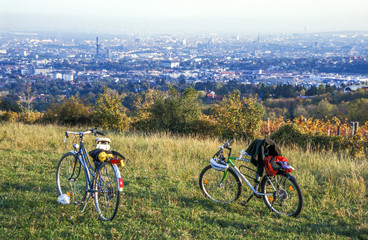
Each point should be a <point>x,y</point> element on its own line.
<point>161,197</point>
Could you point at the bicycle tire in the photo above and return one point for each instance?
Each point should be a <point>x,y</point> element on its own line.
<point>71,178</point>
<point>230,189</point>
<point>287,198</point>
<point>107,193</point>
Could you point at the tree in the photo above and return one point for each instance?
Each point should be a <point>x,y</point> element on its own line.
<point>239,117</point>
<point>321,89</point>
<point>358,110</point>
<point>311,91</point>
<point>109,112</point>
<point>141,115</point>
<point>7,104</point>
<point>173,111</point>
<point>176,112</point>
<point>70,112</point>
<point>325,109</point>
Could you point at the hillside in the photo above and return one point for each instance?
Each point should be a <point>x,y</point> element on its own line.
<point>162,199</point>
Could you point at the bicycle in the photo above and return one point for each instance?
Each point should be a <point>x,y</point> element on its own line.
<point>80,180</point>
<point>281,193</point>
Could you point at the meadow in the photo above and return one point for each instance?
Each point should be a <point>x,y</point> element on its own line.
<point>161,197</point>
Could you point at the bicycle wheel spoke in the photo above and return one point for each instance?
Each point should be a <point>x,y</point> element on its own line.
<point>70,178</point>
<point>287,198</point>
<point>107,195</point>
<point>218,188</point>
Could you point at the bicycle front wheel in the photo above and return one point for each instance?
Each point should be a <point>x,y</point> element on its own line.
<point>284,196</point>
<point>71,178</point>
<point>222,187</point>
<point>107,191</point>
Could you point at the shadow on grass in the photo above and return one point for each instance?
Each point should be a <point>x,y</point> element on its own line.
<point>45,188</point>
<point>324,228</point>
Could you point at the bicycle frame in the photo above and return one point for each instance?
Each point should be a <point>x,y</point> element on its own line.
<point>241,176</point>
<point>87,166</point>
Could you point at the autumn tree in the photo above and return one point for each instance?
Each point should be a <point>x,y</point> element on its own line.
<point>71,112</point>
<point>176,112</point>
<point>108,112</point>
<point>167,111</point>
<point>239,117</point>
<point>141,115</point>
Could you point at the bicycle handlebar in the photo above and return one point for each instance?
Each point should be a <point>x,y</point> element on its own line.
<point>94,131</point>
<point>99,133</point>
<point>226,145</point>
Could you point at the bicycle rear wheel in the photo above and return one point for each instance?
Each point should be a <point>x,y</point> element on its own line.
<point>222,187</point>
<point>285,196</point>
<point>71,178</point>
<point>107,194</point>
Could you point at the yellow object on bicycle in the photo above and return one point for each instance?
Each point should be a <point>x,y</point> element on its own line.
<point>102,156</point>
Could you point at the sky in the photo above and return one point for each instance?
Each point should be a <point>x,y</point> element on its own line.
<point>179,16</point>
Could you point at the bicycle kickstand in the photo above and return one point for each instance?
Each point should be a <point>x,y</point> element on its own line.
<point>85,205</point>
<point>244,203</point>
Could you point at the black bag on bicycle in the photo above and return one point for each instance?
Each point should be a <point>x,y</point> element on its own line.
<point>261,148</point>
<point>97,156</point>
<point>102,149</point>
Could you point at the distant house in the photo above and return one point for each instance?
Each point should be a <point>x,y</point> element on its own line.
<point>42,71</point>
<point>169,64</point>
<point>354,88</point>
<point>57,75</point>
<point>68,76</point>
<point>212,96</point>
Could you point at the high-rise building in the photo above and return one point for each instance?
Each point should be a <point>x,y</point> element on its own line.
<point>97,48</point>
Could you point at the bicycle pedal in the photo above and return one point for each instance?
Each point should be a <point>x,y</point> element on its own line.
<point>244,203</point>
<point>78,203</point>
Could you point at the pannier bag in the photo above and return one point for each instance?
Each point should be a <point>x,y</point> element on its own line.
<point>102,152</point>
<point>100,155</point>
<point>274,164</point>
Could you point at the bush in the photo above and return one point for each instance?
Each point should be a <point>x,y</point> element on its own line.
<point>109,113</point>
<point>175,112</point>
<point>239,117</point>
<point>292,134</point>
<point>70,112</point>
<point>8,116</point>
<point>29,117</point>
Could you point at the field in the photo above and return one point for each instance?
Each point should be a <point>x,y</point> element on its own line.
<point>162,199</point>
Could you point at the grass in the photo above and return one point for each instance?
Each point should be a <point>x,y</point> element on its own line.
<point>162,199</point>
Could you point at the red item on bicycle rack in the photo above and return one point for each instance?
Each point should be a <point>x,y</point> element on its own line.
<point>274,164</point>
<point>115,161</point>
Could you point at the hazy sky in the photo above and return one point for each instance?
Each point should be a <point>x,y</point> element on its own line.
<point>197,16</point>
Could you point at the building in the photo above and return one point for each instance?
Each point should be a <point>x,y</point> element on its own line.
<point>57,75</point>
<point>354,88</point>
<point>42,71</point>
<point>169,64</point>
<point>68,76</point>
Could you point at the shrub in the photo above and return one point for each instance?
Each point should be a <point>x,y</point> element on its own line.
<point>29,117</point>
<point>8,116</point>
<point>175,112</point>
<point>70,112</point>
<point>239,117</point>
<point>109,113</point>
<point>292,134</point>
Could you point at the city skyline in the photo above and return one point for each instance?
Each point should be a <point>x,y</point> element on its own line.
<point>163,16</point>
